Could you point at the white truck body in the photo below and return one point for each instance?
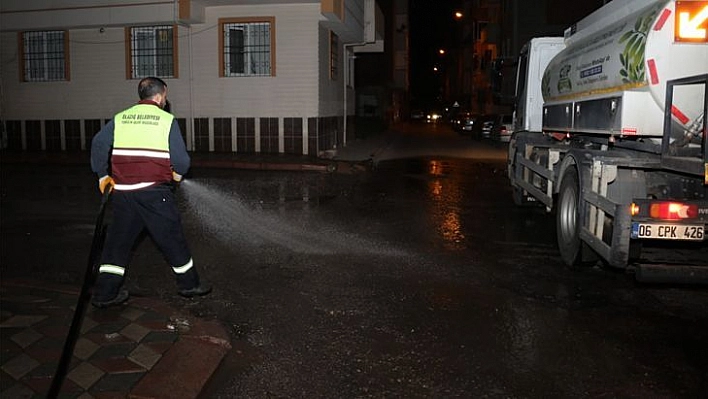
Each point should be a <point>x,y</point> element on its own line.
<point>610,132</point>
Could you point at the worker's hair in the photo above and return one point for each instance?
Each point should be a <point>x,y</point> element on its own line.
<point>149,87</point>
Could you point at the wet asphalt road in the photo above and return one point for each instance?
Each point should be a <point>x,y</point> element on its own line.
<point>418,278</point>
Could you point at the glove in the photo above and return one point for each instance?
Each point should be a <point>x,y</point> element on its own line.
<point>106,182</point>
<point>176,177</point>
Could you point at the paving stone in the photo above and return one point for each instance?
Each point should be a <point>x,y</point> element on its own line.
<point>87,325</point>
<point>44,370</point>
<point>103,338</point>
<point>111,327</point>
<point>151,316</point>
<point>26,337</point>
<point>18,391</point>
<point>158,346</point>
<point>4,314</point>
<point>105,316</point>
<point>20,365</point>
<point>132,314</point>
<point>6,381</point>
<point>135,332</point>
<point>85,348</point>
<point>45,353</point>
<point>8,347</point>
<point>49,342</point>
<point>118,365</point>
<point>145,356</point>
<point>122,349</point>
<point>54,330</point>
<point>115,383</point>
<point>185,377</point>
<point>85,375</point>
<point>24,298</point>
<point>43,384</point>
<point>155,325</point>
<point>22,321</point>
<point>108,395</point>
<point>161,336</point>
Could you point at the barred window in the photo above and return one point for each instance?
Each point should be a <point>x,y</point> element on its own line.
<point>333,55</point>
<point>153,51</point>
<point>45,56</point>
<point>246,48</point>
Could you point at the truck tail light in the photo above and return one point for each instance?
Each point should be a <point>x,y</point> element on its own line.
<point>672,211</point>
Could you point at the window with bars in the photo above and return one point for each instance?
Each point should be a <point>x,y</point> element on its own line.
<point>247,48</point>
<point>333,55</point>
<point>153,51</point>
<point>44,56</point>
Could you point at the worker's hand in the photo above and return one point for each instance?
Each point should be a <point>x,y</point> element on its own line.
<point>106,182</point>
<point>176,177</point>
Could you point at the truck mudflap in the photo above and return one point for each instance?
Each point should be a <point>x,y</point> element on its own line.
<point>660,273</point>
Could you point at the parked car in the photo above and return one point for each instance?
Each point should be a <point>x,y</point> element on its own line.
<point>487,124</point>
<point>503,128</point>
<point>472,125</point>
<point>461,120</point>
<point>417,115</point>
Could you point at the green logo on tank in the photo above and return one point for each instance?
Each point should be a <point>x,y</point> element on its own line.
<point>632,57</point>
<point>564,84</point>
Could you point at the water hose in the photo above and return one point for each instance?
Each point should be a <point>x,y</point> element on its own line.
<point>89,275</point>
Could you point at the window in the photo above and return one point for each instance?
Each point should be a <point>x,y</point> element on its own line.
<point>45,56</point>
<point>247,47</point>
<point>153,51</point>
<point>333,55</point>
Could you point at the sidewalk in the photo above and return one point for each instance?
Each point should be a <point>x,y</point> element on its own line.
<point>144,348</point>
<point>354,155</point>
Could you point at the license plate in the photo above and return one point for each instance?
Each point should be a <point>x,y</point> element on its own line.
<point>668,231</point>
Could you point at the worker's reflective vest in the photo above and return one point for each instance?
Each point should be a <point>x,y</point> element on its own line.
<point>141,148</point>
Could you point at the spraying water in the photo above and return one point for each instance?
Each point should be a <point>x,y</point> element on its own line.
<point>229,219</point>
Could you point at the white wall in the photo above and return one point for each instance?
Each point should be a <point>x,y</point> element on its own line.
<point>98,87</point>
<point>291,92</point>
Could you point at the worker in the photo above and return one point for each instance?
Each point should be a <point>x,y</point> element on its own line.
<point>147,158</point>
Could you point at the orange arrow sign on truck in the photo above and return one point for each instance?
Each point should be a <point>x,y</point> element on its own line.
<point>691,21</point>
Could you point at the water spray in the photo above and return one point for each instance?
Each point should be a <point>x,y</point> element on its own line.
<point>231,220</point>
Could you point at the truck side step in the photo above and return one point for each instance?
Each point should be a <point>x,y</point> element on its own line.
<point>677,274</point>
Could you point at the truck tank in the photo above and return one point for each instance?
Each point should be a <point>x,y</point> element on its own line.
<point>611,77</point>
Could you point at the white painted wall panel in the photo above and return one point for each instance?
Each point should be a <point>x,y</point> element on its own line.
<point>292,92</point>
<point>97,87</point>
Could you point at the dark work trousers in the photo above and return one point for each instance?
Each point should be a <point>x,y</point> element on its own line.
<point>153,208</point>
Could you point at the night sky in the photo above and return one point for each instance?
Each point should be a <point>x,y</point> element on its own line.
<point>432,27</point>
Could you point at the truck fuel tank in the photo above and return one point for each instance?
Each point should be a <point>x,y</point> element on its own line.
<point>633,47</point>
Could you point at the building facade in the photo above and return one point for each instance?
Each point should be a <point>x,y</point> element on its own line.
<point>243,75</point>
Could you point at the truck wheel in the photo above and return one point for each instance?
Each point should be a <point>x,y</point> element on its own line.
<point>572,250</point>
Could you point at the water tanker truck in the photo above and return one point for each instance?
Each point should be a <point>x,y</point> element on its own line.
<point>610,136</point>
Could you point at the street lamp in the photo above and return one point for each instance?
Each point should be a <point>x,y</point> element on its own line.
<point>458,15</point>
